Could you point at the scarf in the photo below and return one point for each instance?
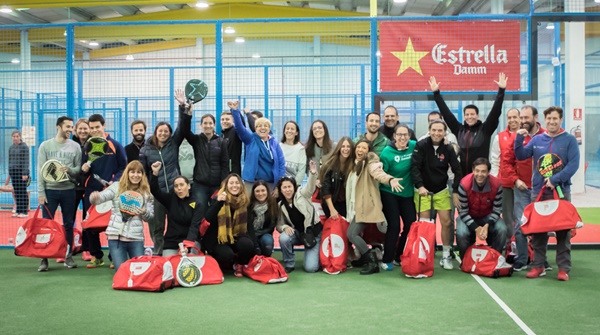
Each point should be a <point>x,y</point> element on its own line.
<point>259,220</point>
<point>231,227</point>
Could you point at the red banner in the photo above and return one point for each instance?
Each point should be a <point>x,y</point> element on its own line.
<point>463,56</point>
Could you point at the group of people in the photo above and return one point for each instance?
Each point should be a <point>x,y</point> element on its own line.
<point>385,178</point>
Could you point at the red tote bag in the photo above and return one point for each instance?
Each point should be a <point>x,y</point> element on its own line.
<point>98,217</point>
<point>266,270</point>
<point>334,245</point>
<point>550,215</point>
<point>41,238</point>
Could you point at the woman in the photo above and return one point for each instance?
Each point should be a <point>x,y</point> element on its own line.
<point>297,215</point>
<point>363,200</point>
<point>333,177</point>
<point>82,133</point>
<point>293,151</point>
<point>227,235</point>
<point>18,170</point>
<point>164,148</point>
<point>319,145</point>
<point>262,217</point>
<point>126,238</point>
<point>396,158</point>
<point>264,158</point>
<point>182,215</point>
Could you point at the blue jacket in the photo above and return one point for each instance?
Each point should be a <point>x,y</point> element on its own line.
<point>564,145</point>
<point>252,144</point>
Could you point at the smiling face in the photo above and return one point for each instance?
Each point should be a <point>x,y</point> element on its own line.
<point>262,128</point>
<point>261,193</point>
<point>373,123</point>
<point>139,132</point>
<point>65,129</point>
<point>181,188</point>
<point>471,116</point>
<point>346,149</point>
<point>135,176</point>
<point>162,134</point>
<point>553,122</point>
<point>290,131</point>
<point>480,173</point>
<point>390,117</point>
<point>208,126</point>
<point>512,119</point>
<point>226,121</point>
<point>361,151</point>
<point>287,189</point>
<point>82,131</point>
<point>96,129</point>
<point>528,120</point>
<point>401,136</point>
<point>318,130</point>
<point>234,185</point>
<point>437,133</point>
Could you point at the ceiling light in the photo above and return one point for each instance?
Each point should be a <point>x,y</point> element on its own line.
<point>15,61</point>
<point>229,30</point>
<point>399,1</point>
<point>94,44</point>
<point>255,56</point>
<point>597,1</point>
<point>5,9</point>
<point>201,4</point>
<point>129,57</point>
<point>550,26</point>
<point>239,40</point>
<point>65,33</point>
<point>378,53</point>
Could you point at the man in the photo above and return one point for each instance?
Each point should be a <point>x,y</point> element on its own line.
<point>373,135</point>
<point>474,136</point>
<point>109,168</point>
<point>502,160</point>
<point>429,170</point>
<point>564,145</point>
<point>138,131</point>
<point>390,121</point>
<point>522,189</point>
<point>234,143</point>
<point>54,194</point>
<point>18,171</point>
<point>480,196</point>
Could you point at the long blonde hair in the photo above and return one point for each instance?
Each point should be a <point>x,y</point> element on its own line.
<point>242,199</point>
<point>125,185</point>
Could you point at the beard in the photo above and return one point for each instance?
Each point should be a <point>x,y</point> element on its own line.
<point>139,137</point>
<point>528,125</point>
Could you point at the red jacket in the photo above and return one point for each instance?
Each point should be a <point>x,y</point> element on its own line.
<point>507,173</point>
<point>480,204</point>
<point>524,168</point>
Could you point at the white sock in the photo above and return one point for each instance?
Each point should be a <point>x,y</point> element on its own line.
<point>446,250</point>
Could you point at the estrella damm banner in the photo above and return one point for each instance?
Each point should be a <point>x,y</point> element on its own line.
<point>463,56</point>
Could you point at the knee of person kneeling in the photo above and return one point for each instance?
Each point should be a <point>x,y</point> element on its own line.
<point>311,268</point>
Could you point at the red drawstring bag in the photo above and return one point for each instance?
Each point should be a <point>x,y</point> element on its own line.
<point>485,261</point>
<point>98,217</point>
<point>144,273</point>
<point>77,241</point>
<point>210,272</point>
<point>419,252</point>
<point>334,245</point>
<point>550,215</point>
<point>266,270</point>
<point>41,238</point>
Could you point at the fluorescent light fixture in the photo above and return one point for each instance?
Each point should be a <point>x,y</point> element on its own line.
<point>550,25</point>
<point>94,44</point>
<point>378,53</point>
<point>229,30</point>
<point>5,9</point>
<point>239,40</point>
<point>65,33</point>
<point>201,4</point>
<point>255,55</point>
<point>15,61</point>
<point>129,57</point>
<point>597,1</point>
<point>400,1</point>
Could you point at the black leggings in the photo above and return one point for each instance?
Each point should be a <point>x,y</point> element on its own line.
<point>225,253</point>
<point>395,207</point>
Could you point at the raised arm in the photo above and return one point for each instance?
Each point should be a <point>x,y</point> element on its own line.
<point>244,134</point>
<point>448,116</point>
<point>493,119</point>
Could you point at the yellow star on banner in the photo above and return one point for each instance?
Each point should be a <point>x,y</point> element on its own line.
<point>410,58</point>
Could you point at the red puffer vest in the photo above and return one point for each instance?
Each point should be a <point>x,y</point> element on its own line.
<point>480,203</point>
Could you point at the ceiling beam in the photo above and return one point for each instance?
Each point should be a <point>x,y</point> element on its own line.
<point>89,3</point>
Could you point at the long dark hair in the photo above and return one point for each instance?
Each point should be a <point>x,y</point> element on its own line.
<point>296,138</point>
<point>334,162</point>
<point>271,202</point>
<point>312,141</point>
<point>153,138</point>
<point>280,196</point>
<point>358,168</point>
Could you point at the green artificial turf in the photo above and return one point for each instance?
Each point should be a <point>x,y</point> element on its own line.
<point>81,301</point>
<point>590,215</point>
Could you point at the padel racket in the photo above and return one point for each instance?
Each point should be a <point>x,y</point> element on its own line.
<point>188,273</point>
<point>549,165</point>
<point>102,181</point>
<point>95,147</point>
<point>195,91</point>
<point>52,171</point>
<point>131,203</point>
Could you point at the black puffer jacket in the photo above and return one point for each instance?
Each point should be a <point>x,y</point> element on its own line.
<point>168,155</point>
<point>212,158</point>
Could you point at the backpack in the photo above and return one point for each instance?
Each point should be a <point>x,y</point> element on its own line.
<point>485,261</point>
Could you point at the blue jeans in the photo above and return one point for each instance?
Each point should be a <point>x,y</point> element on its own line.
<point>311,256</point>
<point>522,199</point>
<point>121,251</point>
<point>265,242</point>
<point>465,237</point>
<point>66,200</point>
<point>202,194</point>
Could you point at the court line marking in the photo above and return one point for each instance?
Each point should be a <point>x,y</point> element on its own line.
<point>504,306</point>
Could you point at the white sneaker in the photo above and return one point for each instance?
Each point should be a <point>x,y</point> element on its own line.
<point>446,262</point>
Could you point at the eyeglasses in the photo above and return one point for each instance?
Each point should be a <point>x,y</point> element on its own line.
<point>402,135</point>
<point>317,128</point>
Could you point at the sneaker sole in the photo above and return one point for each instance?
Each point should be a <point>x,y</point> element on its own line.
<point>42,270</point>
<point>543,274</point>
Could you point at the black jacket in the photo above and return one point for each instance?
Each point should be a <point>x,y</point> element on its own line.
<point>212,158</point>
<point>474,141</point>
<point>183,215</point>
<point>133,152</point>
<point>234,149</point>
<point>429,167</point>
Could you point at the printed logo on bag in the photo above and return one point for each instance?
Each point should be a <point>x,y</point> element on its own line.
<point>77,240</point>
<point>546,207</point>
<point>42,238</point>
<point>423,247</point>
<point>477,255</point>
<point>168,272</point>
<point>337,245</point>
<point>258,265</point>
<point>137,268</point>
<point>21,235</point>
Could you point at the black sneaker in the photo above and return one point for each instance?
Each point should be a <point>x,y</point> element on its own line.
<point>289,270</point>
<point>519,267</point>
<point>547,266</point>
<point>43,265</point>
<point>69,262</point>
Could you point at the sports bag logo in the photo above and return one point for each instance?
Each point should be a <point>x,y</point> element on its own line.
<point>337,245</point>
<point>546,207</point>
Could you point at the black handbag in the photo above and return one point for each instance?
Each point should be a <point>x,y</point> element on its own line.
<point>308,237</point>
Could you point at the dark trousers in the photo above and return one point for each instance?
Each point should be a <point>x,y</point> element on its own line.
<point>66,200</point>
<point>20,192</point>
<point>93,237</point>
<point>79,199</point>
<point>203,193</point>
<point>225,254</point>
<point>395,207</point>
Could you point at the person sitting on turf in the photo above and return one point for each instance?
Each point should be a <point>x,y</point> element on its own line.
<point>262,216</point>
<point>480,196</point>
<point>227,238</point>
<point>183,216</point>
<point>126,238</point>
